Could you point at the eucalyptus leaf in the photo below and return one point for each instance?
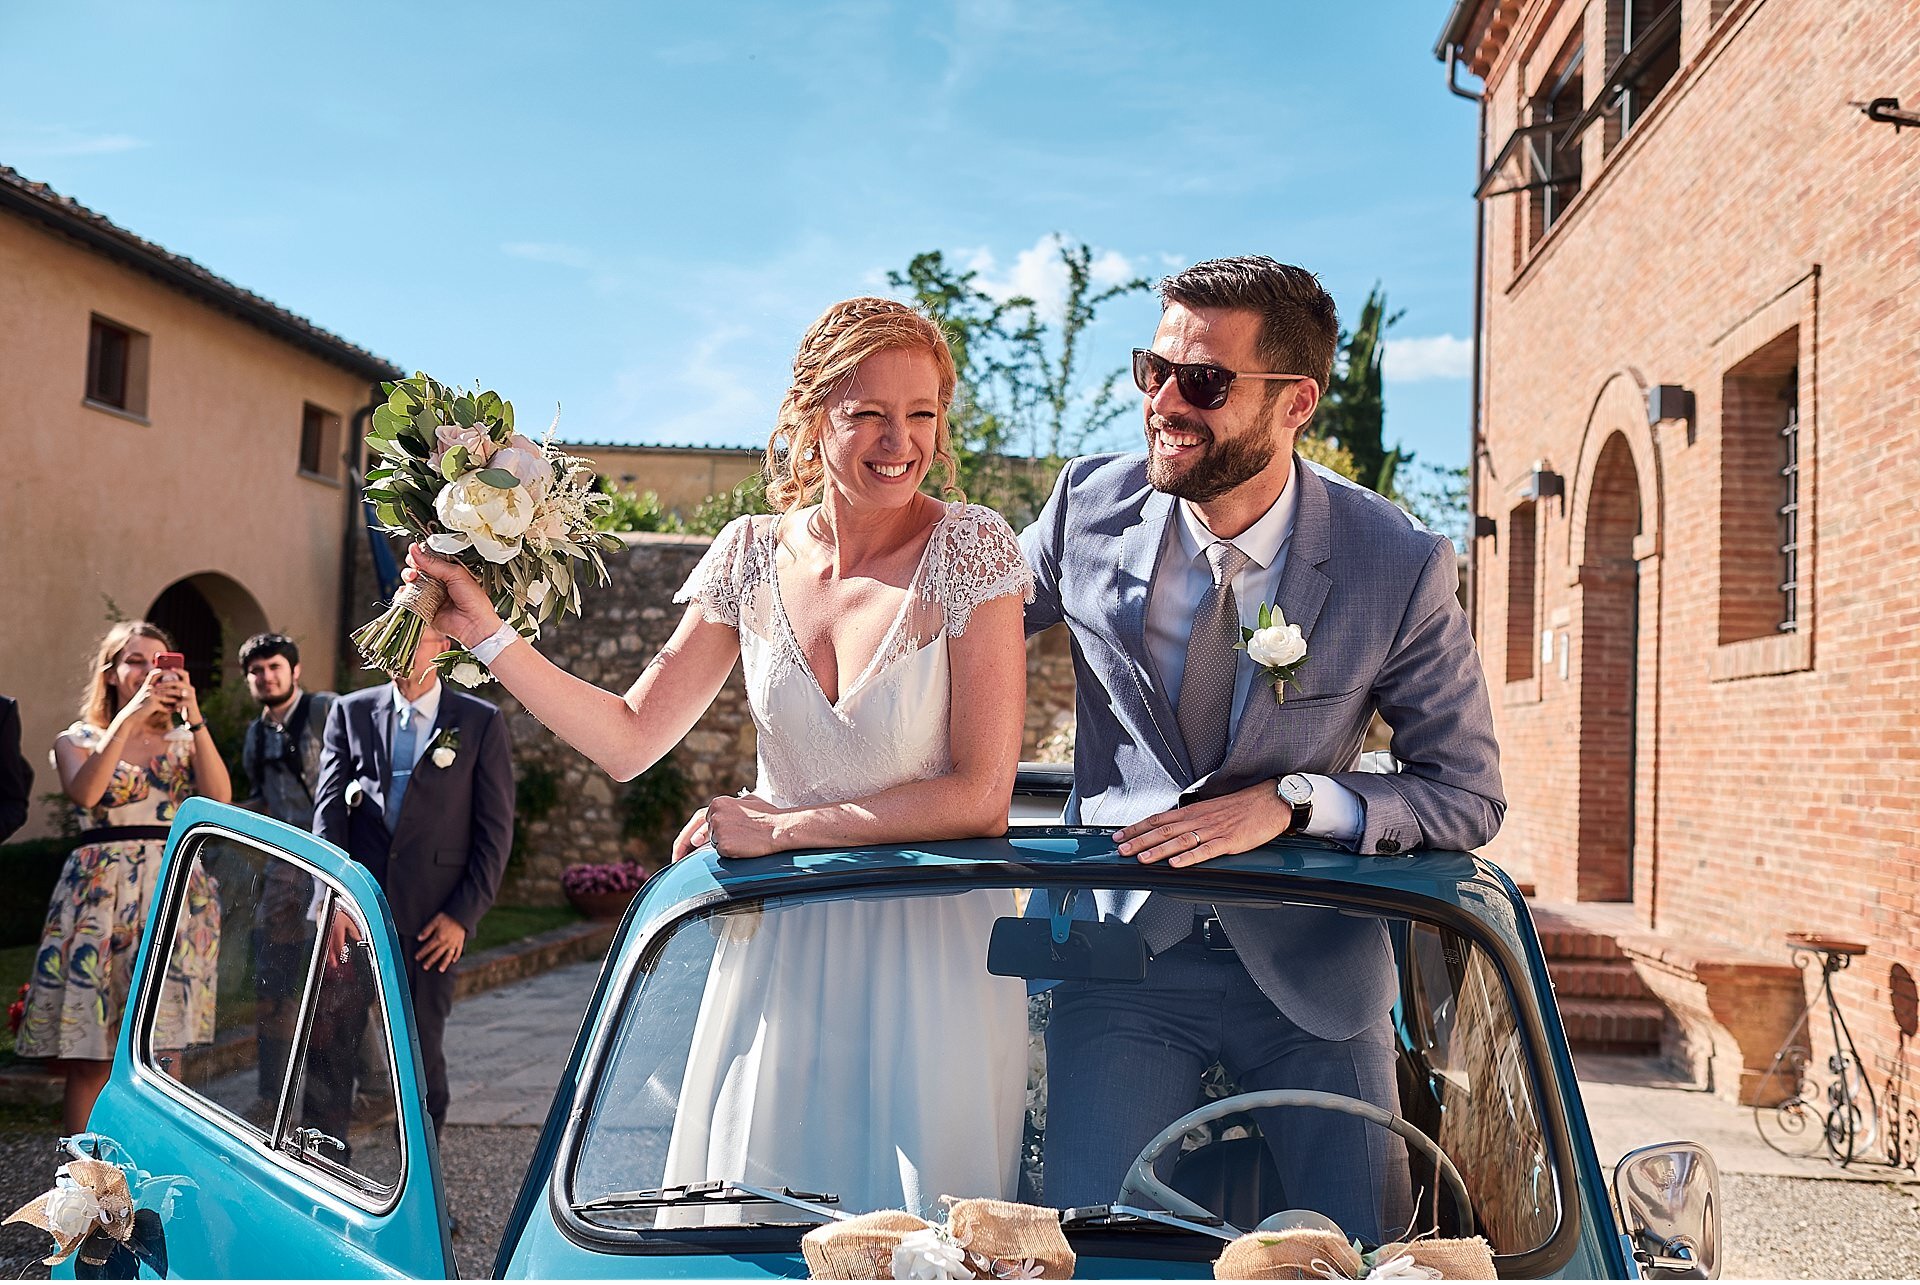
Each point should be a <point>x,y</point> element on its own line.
<point>453,463</point>
<point>499,477</point>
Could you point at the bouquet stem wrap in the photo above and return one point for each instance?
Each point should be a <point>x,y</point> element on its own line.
<point>982,1240</point>
<point>388,643</point>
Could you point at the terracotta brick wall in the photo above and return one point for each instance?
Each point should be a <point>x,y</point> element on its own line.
<point>1758,782</point>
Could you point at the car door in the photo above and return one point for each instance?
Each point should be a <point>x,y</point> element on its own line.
<point>266,1097</point>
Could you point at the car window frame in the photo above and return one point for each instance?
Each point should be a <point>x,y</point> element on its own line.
<point>362,1194</point>
<point>1220,878</point>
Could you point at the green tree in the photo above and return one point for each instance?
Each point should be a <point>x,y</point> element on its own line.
<point>1353,412</point>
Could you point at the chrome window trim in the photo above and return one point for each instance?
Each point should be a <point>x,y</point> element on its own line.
<point>141,1048</point>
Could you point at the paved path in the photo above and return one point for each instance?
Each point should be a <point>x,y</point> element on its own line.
<point>506,1047</point>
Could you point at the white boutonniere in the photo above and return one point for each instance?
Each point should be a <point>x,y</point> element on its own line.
<point>445,747</point>
<point>461,666</point>
<point>1277,647</point>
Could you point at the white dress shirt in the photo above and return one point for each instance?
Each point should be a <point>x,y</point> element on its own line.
<point>425,710</point>
<point>1183,580</point>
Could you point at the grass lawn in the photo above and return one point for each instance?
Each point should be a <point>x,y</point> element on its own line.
<point>503,924</point>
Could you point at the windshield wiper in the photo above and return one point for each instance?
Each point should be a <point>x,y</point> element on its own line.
<point>1106,1217</point>
<point>715,1193</point>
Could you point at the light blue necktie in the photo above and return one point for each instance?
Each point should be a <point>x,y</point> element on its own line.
<point>402,759</point>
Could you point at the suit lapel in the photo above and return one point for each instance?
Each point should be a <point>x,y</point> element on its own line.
<point>379,754</point>
<point>1142,545</point>
<point>1301,593</point>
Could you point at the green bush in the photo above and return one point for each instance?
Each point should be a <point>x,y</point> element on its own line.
<point>28,871</point>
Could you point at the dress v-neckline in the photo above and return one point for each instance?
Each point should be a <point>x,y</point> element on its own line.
<point>876,664</point>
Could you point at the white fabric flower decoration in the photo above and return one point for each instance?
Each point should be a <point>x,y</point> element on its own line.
<point>72,1209</point>
<point>489,519</point>
<point>930,1254</point>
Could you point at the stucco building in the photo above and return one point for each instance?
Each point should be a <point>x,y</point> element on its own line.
<point>177,448</point>
<point>1696,568</point>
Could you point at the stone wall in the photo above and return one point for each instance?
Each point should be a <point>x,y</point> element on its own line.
<point>626,622</point>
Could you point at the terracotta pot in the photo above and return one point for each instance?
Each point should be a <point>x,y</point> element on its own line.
<point>601,905</point>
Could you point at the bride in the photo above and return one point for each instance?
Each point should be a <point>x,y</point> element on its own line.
<point>859,609</point>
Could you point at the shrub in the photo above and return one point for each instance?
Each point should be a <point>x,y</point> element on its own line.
<point>613,877</point>
<point>28,871</point>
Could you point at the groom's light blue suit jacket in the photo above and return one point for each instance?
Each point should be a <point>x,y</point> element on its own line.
<point>1374,595</point>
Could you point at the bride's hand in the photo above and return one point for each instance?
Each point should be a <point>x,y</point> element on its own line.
<point>467,616</point>
<point>694,834</point>
<point>743,826</point>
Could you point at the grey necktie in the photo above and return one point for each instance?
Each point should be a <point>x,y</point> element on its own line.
<point>1206,689</point>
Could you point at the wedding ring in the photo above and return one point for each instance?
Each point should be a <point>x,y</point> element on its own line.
<point>1196,837</point>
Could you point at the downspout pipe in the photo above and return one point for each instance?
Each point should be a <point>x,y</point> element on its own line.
<point>1474,445</point>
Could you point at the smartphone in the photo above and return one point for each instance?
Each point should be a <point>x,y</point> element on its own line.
<point>170,660</point>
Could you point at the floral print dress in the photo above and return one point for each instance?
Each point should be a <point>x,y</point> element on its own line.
<point>84,968</point>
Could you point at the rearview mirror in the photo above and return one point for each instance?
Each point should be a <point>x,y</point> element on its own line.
<point>1669,1199</point>
<point>1039,948</point>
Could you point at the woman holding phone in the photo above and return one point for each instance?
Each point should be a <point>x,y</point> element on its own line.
<point>127,769</point>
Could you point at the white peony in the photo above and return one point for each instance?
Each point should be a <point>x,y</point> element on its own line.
<point>483,517</point>
<point>443,757</point>
<point>523,458</point>
<point>467,674</point>
<point>1278,645</point>
<point>930,1254</point>
<point>72,1210</point>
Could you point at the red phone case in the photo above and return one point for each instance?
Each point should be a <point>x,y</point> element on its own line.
<point>170,660</point>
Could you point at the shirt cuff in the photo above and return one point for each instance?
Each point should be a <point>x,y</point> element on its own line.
<point>488,649</point>
<point>1338,813</point>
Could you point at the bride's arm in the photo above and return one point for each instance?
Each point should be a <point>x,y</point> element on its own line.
<point>624,735</point>
<point>989,698</point>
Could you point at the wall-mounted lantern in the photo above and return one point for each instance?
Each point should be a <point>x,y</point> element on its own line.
<point>1542,482</point>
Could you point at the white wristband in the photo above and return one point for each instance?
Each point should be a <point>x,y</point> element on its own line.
<point>488,649</point>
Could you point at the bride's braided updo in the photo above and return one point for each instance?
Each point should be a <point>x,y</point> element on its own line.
<point>845,335</point>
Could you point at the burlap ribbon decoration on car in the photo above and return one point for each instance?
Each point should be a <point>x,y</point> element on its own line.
<point>1311,1254</point>
<point>87,1195</point>
<point>982,1240</point>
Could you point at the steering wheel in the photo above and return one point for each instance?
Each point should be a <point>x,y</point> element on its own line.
<point>1141,1180</point>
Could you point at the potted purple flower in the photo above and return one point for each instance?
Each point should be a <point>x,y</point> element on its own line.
<point>602,891</point>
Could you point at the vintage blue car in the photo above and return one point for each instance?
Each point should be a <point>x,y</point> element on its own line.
<point>246,1156</point>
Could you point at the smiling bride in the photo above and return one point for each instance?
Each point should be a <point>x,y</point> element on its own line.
<point>860,610</point>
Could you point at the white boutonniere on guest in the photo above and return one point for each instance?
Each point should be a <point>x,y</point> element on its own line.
<point>463,667</point>
<point>445,747</point>
<point>1277,647</point>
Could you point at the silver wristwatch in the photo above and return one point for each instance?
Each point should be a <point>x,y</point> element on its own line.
<point>1297,790</point>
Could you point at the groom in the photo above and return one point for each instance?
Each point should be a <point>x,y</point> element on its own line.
<point>1154,562</point>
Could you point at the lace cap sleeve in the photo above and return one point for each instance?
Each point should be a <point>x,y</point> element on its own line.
<point>982,562</point>
<point>716,583</point>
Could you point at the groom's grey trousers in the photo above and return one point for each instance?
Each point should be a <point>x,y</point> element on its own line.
<point>1125,1061</point>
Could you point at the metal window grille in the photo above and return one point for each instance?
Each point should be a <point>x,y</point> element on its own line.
<point>1790,507</point>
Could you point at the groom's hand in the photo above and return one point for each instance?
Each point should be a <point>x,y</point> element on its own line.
<point>1237,822</point>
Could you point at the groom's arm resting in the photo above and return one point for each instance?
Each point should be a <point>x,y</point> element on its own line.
<point>1432,692</point>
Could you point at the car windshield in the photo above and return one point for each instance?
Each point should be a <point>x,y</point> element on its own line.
<point>887,1050</point>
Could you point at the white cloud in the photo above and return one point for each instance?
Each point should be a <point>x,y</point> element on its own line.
<point>1408,361</point>
<point>1039,274</point>
<point>566,256</point>
<point>713,394</point>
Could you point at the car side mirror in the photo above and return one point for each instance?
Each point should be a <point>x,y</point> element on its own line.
<point>1054,949</point>
<point>1669,1201</point>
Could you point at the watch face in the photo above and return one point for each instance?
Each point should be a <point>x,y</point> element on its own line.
<point>1296,789</point>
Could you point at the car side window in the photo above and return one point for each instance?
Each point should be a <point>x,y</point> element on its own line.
<point>239,948</point>
<point>269,1010</point>
<point>341,1117</point>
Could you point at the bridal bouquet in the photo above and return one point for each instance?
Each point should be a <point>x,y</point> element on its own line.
<point>517,513</point>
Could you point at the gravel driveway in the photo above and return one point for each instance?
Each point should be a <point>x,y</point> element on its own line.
<point>1788,1228</point>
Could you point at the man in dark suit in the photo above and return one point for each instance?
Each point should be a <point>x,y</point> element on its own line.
<point>416,784</point>
<point>16,777</point>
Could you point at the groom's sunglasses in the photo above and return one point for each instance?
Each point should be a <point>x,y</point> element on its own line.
<point>1204,385</point>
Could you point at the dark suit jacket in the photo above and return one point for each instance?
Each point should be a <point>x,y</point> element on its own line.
<point>447,850</point>
<point>16,777</point>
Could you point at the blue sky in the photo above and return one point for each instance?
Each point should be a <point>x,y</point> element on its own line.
<point>635,209</point>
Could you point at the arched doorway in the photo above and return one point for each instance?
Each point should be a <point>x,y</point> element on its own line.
<point>1609,676</point>
<point>209,615</point>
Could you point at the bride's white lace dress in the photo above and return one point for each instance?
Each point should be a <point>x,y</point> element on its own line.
<point>858,1047</point>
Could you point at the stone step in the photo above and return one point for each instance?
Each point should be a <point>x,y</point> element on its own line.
<point>1597,979</point>
<point>1563,941</point>
<point>1613,1025</point>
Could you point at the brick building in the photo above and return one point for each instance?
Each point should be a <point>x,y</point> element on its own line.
<point>1696,565</point>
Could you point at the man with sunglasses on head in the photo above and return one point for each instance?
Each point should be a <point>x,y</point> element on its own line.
<point>1156,562</point>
